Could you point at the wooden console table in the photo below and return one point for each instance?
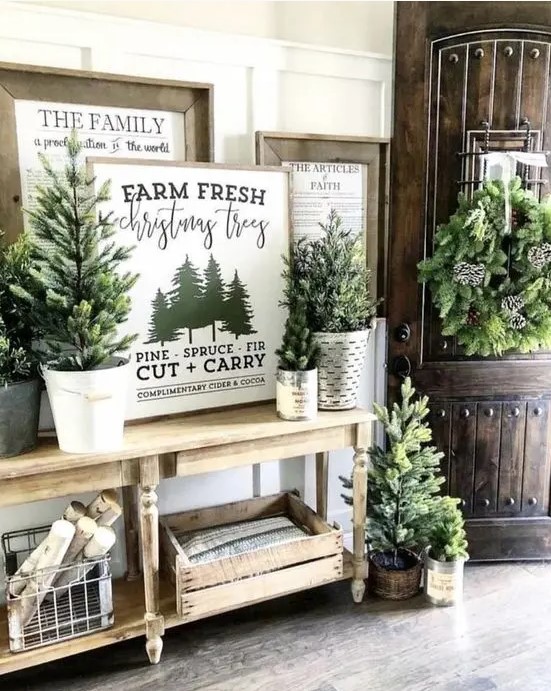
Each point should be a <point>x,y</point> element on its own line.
<point>157,450</point>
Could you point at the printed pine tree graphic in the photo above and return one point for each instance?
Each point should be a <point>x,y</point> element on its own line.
<point>161,324</point>
<point>185,299</point>
<point>213,295</point>
<point>238,312</point>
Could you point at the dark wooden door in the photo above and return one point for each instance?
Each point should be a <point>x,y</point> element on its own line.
<point>466,71</point>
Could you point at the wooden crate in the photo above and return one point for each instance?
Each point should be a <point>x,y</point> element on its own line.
<point>230,582</point>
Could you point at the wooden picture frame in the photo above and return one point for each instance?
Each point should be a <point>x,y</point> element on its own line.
<point>32,83</point>
<point>274,148</point>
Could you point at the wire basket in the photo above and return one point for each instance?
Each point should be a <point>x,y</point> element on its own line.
<point>83,606</point>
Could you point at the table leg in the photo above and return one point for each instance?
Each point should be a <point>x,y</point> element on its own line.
<point>322,469</point>
<point>149,523</point>
<point>131,532</point>
<point>359,497</point>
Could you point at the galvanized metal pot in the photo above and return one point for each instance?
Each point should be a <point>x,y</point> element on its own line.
<point>342,357</point>
<point>19,409</point>
<point>443,581</point>
<point>297,394</point>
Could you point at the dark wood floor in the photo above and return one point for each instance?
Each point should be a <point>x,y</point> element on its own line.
<point>319,641</point>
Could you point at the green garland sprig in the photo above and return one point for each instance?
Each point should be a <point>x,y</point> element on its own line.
<point>491,283</point>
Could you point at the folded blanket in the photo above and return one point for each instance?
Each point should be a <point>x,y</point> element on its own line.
<point>229,540</point>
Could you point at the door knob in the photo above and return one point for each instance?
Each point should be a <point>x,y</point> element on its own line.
<point>402,366</point>
<point>402,333</point>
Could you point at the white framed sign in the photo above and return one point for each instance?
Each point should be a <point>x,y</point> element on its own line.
<point>319,187</point>
<point>209,241</point>
<point>44,127</point>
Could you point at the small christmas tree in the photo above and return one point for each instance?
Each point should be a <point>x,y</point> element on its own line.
<point>212,302</point>
<point>299,351</point>
<point>403,481</point>
<point>238,313</point>
<point>79,296</point>
<point>330,272</point>
<point>447,537</point>
<point>16,327</point>
<point>185,299</point>
<point>161,326</point>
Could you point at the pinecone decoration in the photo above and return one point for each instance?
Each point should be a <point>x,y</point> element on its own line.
<point>517,321</point>
<point>540,255</point>
<point>468,274</point>
<point>473,317</point>
<point>512,304</point>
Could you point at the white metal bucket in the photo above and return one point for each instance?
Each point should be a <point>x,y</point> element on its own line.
<point>89,407</point>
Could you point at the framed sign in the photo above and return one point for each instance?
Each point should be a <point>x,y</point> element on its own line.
<point>115,116</point>
<point>349,174</point>
<point>209,241</point>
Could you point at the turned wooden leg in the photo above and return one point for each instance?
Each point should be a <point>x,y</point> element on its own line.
<point>322,468</point>
<point>132,534</point>
<point>359,495</point>
<point>149,523</point>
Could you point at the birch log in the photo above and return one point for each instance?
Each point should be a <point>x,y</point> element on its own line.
<point>19,580</point>
<point>85,529</point>
<point>101,541</point>
<point>104,538</point>
<point>102,503</point>
<point>110,515</point>
<point>74,511</point>
<point>36,589</point>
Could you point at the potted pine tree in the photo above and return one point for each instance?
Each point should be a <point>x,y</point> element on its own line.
<point>446,555</point>
<point>331,273</point>
<point>19,384</point>
<point>297,375</point>
<point>80,298</point>
<point>403,484</point>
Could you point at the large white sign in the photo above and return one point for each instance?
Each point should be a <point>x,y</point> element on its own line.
<point>208,244</point>
<point>43,127</point>
<point>319,187</point>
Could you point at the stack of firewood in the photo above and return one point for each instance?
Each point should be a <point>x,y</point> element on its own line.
<point>84,532</point>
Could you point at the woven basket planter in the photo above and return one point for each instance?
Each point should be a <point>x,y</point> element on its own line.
<point>342,357</point>
<point>395,584</point>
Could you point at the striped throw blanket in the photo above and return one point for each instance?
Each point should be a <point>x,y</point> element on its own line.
<point>229,540</point>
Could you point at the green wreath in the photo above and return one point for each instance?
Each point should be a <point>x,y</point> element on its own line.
<point>492,283</point>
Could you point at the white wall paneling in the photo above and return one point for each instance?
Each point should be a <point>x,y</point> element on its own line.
<point>259,84</point>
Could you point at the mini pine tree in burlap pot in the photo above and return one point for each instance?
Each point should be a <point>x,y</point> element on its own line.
<point>402,496</point>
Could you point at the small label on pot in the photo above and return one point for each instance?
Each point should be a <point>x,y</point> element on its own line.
<point>441,586</point>
<point>297,401</point>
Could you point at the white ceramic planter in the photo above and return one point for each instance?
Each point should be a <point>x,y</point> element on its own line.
<point>342,357</point>
<point>443,581</point>
<point>297,394</point>
<point>89,407</point>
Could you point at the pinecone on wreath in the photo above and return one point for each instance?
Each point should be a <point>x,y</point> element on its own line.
<point>517,321</point>
<point>512,304</point>
<point>540,255</point>
<point>468,274</point>
<point>473,317</point>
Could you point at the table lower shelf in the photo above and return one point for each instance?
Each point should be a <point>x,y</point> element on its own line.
<point>128,602</point>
